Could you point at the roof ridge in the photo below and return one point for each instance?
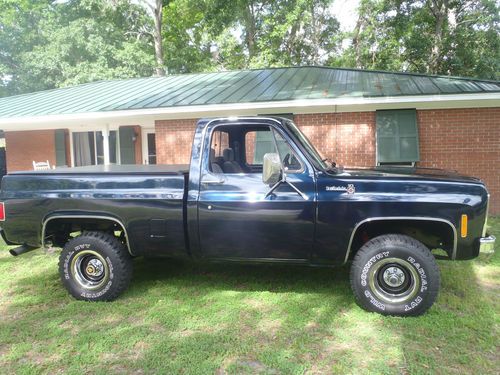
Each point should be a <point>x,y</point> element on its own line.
<point>468,79</point>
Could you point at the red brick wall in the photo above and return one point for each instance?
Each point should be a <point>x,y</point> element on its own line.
<point>173,140</point>
<point>466,140</point>
<point>24,147</point>
<point>347,138</point>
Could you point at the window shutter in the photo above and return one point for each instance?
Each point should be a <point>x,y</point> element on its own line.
<point>60,143</point>
<point>397,136</point>
<point>127,145</point>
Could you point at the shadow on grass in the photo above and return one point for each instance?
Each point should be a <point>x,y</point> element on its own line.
<point>239,277</point>
<point>175,316</point>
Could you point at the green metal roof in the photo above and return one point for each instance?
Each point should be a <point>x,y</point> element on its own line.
<point>245,86</point>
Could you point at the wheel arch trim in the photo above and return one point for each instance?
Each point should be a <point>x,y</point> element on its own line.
<point>392,218</point>
<point>99,217</point>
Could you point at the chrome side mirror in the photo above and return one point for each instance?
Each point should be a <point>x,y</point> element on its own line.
<point>271,169</point>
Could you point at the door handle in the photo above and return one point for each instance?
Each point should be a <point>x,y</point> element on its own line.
<point>210,179</point>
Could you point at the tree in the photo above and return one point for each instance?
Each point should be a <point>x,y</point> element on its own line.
<point>47,45</point>
<point>188,37</point>
<point>457,37</point>
<point>19,21</point>
<point>279,33</point>
<point>155,9</point>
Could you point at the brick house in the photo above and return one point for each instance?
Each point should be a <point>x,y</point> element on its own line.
<point>357,118</point>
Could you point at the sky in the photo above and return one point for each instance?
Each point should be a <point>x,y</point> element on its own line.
<point>346,12</point>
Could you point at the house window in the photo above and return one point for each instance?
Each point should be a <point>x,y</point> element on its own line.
<point>397,137</point>
<point>88,148</point>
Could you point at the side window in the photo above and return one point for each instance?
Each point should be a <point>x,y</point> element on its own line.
<point>218,143</point>
<point>288,158</point>
<point>260,142</point>
<point>225,151</point>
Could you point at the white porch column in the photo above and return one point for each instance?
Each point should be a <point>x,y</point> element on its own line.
<point>105,145</point>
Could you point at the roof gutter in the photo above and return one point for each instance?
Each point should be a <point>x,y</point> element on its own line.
<point>351,104</point>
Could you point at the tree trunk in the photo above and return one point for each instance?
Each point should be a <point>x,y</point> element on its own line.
<point>158,42</point>
<point>356,42</point>
<point>315,36</point>
<point>439,9</point>
<point>249,19</point>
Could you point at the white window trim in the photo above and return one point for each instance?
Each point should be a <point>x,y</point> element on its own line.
<point>144,143</point>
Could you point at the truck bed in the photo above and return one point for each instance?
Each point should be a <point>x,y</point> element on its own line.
<point>148,200</point>
<point>172,169</point>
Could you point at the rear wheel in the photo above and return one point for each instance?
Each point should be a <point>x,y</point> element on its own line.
<point>395,275</point>
<point>95,267</point>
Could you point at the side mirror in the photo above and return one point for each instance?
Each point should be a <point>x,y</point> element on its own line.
<point>271,170</point>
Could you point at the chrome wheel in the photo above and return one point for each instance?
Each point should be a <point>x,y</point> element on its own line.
<point>394,280</point>
<point>394,276</point>
<point>89,269</point>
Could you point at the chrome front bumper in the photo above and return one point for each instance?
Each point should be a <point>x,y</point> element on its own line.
<point>487,245</point>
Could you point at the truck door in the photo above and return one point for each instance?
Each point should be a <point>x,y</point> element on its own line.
<point>237,216</point>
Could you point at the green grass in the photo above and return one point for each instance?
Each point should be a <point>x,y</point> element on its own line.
<point>227,319</point>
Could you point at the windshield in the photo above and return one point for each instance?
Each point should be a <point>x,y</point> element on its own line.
<point>318,160</point>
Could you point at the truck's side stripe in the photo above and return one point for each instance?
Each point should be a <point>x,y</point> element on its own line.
<point>455,239</point>
<point>110,218</point>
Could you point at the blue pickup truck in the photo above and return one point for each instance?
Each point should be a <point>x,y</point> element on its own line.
<point>256,191</point>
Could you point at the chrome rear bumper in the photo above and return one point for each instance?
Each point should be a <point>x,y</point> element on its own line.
<point>487,244</point>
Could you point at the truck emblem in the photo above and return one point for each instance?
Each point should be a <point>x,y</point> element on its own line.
<point>349,189</point>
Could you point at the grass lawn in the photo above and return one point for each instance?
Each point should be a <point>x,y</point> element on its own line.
<point>229,319</point>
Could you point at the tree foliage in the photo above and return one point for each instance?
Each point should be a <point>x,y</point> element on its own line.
<point>46,44</point>
<point>49,44</point>
<point>449,37</point>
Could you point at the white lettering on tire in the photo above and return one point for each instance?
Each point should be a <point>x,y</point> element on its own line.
<point>370,263</point>
<point>66,265</point>
<point>99,293</point>
<point>374,302</point>
<point>421,271</point>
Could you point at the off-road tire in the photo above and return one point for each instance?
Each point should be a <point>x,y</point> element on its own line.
<point>95,266</point>
<point>395,274</point>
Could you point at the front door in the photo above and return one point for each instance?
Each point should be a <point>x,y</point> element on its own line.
<point>236,219</point>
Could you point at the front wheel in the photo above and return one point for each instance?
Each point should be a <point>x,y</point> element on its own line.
<point>395,275</point>
<point>95,267</point>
